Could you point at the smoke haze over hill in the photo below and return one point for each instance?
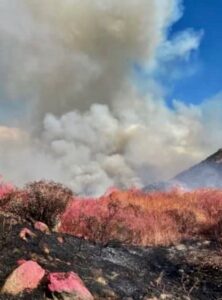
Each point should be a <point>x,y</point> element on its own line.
<point>69,64</point>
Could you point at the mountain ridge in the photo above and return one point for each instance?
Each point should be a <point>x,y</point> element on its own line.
<point>205,174</point>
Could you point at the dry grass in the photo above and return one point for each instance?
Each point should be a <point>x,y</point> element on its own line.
<point>146,219</point>
<point>133,217</point>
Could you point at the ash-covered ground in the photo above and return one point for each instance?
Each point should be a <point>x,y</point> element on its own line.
<point>190,270</point>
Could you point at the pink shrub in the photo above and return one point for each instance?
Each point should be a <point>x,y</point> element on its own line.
<point>134,217</point>
<point>5,188</point>
<point>145,219</point>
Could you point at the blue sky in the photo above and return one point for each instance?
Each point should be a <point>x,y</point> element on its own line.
<point>206,80</point>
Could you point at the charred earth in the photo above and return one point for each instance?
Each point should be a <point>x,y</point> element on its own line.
<point>190,270</point>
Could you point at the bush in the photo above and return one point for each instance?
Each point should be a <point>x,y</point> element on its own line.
<point>185,220</point>
<point>5,188</point>
<point>143,219</point>
<point>39,201</point>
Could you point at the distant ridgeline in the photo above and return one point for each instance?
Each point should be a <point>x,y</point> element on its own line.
<point>206,174</point>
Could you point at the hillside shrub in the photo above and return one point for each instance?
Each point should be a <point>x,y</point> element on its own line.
<point>148,219</point>
<point>5,188</point>
<point>39,201</point>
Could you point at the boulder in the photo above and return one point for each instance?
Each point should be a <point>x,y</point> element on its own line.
<point>26,277</point>
<point>68,286</point>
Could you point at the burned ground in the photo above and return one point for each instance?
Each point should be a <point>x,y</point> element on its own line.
<point>191,270</point>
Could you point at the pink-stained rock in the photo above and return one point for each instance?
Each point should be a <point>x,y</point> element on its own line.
<point>21,262</point>
<point>41,227</point>
<point>26,277</point>
<point>26,233</point>
<point>70,284</point>
<point>60,240</point>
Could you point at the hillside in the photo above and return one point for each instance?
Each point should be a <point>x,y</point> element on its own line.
<point>206,174</point>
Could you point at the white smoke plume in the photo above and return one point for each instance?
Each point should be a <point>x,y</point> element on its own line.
<point>69,63</point>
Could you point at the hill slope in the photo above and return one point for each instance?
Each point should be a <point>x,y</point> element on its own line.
<point>206,174</point>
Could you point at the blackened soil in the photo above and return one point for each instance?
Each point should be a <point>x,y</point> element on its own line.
<point>192,270</point>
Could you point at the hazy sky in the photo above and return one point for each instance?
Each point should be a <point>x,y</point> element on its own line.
<point>100,93</point>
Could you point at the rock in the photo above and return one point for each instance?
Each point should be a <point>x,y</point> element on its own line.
<point>69,286</point>
<point>206,243</point>
<point>42,227</point>
<point>26,233</point>
<point>181,247</point>
<point>21,262</point>
<point>101,280</point>
<point>45,248</point>
<point>166,296</point>
<point>60,240</point>
<point>26,277</point>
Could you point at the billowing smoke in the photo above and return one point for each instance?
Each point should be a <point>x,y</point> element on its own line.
<point>66,55</point>
<point>69,64</point>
